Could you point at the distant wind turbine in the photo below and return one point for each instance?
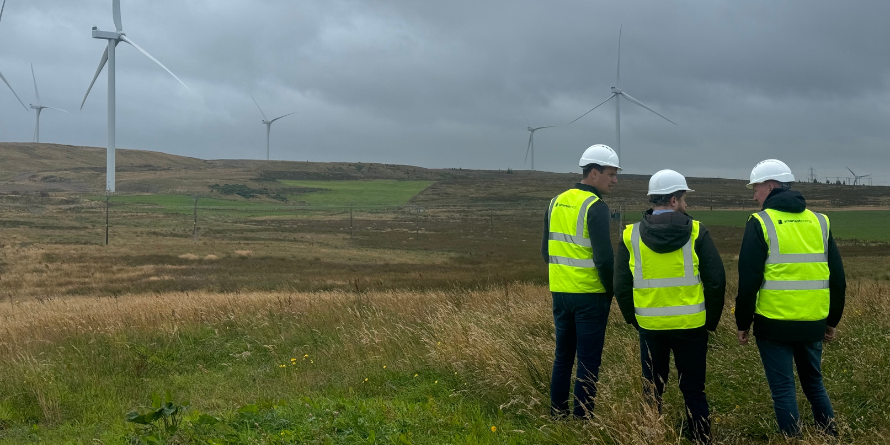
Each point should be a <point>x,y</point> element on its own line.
<point>2,7</point>
<point>856,177</point>
<point>618,93</point>
<point>268,124</point>
<point>531,143</point>
<point>39,106</point>
<point>113,38</point>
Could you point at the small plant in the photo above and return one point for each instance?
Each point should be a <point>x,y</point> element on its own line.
<point>158,424</point>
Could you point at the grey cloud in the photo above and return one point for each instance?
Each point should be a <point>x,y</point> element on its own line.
<point>442,84</point>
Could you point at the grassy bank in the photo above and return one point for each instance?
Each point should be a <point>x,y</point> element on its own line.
<point>381,367</point>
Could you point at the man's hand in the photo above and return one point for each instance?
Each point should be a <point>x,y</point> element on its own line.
<point>830,332</point>
<point>743,337</point>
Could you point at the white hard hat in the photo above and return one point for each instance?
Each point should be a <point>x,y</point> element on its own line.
<point>666,182</point>
<point>600,154</point>
<point>770,169</point>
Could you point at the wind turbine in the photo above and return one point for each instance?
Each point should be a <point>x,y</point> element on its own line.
<point>617,94</point>
<point>113,38</point>
<point>268,124</point>
<point>39,107</point>
<point>2,7</point>
<point>531,143</point>
<point>856,177</point>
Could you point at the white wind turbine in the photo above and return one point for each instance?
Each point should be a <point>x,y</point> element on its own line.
<point>531,143</point>
<point>268,124</point>
<point>618,93</point>
<point>856,178</point>
<point>39,106</point>
<point>113,38</point>
<point>2,7</point>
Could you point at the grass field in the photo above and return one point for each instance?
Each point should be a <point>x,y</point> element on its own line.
<point>284,325</point>
<point>360,193</point>
<point>452,366</point>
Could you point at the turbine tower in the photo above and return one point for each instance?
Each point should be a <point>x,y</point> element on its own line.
<point>268,124</point>
<point>531,143</point>
<point>39,106</point>
<point>2,7</point>
<point>113,38</point>
<point>856,177</point>
<point>618,94</point>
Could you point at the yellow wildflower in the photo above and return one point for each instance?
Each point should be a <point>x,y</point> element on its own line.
<point>494,429</point>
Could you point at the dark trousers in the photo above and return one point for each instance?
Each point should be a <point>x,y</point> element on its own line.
<point>690,347</point>
<point>580,321</point>
<point>778,362</point>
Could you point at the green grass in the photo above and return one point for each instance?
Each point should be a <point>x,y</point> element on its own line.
<point>867,225</point>
<point>360,193</point>
<point>411,368</point>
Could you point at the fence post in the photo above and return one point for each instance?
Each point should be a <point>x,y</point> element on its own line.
<point>350,220</point>
<point>195,225</point>
<point>491,223</point>
<point>107,197</point>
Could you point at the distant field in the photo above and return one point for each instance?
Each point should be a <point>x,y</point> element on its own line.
<point>382,192</point>
<point>869,225</point>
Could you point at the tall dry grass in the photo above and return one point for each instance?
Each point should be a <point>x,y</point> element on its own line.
<point>498,341</point>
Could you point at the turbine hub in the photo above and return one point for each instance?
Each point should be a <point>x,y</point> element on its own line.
<point>616,90</point>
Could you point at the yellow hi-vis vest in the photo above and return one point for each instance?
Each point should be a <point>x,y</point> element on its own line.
<point>795,277</point>
<point>668,293</point>
<point>571,254</point>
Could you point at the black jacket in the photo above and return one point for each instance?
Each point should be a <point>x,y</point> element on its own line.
<point>752,260</point>
<point>598,226</point>
<point>665,233</point>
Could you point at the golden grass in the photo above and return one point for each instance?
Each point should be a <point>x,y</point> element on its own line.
<point>499,340</point>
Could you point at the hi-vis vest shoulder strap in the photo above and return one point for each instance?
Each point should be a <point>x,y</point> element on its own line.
<point>796,275</point>
<point>667,288</point>
<point>571,263</point>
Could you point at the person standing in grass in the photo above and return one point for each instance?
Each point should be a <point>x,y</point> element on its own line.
<point>670,285</point>
<point>578,251</point>
<point>792,287</point>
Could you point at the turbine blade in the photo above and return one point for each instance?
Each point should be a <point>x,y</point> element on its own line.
<point>258,106</point>
<point>618,75</point>
<point>529,148</point>
<point>36,93</point>
<point>548,126</point>
<point>628,97</point>
<point>102,63</point>
<point>594,108</point>
<point>851,171</point>
<point>279,117</point>
<point>116,10</point>
<point>13,91</point>
<point>127,39</point>
<point>57,109</point>
<point>2,7</point>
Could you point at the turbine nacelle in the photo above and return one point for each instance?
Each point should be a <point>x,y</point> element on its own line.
<point>107,35</point>
<point>616,90</point>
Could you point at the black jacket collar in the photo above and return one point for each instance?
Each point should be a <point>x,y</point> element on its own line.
<point>588,188</point>
<point>790,201</point>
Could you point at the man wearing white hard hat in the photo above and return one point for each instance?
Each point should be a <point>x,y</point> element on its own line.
<point>578,251</point>
<point>670,284</point>
<point>792,287</point>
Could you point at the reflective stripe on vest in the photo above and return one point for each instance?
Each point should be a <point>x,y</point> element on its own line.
<point>776,257</point>
<point>795,276</point>
<point>666,303</point>
<point>571,264</point>
<point>689,278</point>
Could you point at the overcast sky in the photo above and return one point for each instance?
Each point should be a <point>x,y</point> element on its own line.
<point>447,83</point>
